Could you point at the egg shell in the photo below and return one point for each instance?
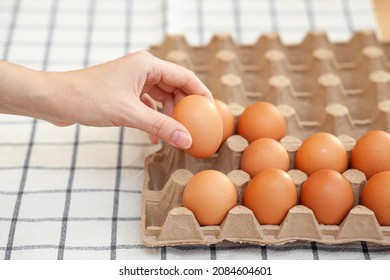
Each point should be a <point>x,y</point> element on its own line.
<point>376,196</point>
<point>321,151</point>
<point>371,153</point>
<point>163,215</point>
<point>203,121</point>
<point>331,108</point>
<point>329,195</point>
<point>210,194</point>
<point>264,153</point>
<point>261,119</point>
<point>227,119</point>
<point>270,195</point>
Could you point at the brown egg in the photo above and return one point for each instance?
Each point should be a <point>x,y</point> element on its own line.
<point>376,196</point>
<point>203,121</point>
<point>371,153</point>
<point>227,119</point>
<point>270,194</point>
<point>264,153</point>
<point>329,195</point>
<point>210,194</point>
<point>321,151</point>
<point>259,120</point>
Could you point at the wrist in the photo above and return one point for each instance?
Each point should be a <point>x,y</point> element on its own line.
<point>51,100</point>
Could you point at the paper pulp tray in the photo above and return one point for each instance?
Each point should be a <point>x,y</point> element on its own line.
<point>342,88</point>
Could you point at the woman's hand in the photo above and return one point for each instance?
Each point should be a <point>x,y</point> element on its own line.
<point>121,92</point>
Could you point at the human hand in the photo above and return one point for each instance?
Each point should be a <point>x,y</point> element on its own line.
<point>121,92</point>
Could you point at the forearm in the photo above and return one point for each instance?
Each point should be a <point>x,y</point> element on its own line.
<point>28,92</point>
<point>20,88</point>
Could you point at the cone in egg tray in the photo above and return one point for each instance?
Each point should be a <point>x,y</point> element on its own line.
<point>202,119</point>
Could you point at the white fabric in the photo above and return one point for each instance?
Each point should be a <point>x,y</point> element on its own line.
<point>75,192</point>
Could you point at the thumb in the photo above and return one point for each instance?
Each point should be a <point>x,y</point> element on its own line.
<point>164,127</point>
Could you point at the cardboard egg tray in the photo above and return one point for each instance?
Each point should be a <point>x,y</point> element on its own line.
<point>340,88</point>
<point>318,84</point>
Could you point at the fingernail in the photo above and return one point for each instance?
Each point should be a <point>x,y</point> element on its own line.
<point>181,140</point>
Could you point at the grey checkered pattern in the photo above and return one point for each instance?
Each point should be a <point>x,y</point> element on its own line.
<point>75,192</point>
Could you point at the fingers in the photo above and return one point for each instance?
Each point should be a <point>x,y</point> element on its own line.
<point>148,101</point>
<point>167,83</point>
<point>61,124</point>
<point>168,100</point>
<point>170,77</point>
<point>163,127</point>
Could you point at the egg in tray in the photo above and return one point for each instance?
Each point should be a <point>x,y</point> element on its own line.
<point>303,152</point>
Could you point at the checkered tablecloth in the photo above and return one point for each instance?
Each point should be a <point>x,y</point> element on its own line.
<point>75,192</point>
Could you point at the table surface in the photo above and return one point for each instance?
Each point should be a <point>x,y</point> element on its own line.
<point>75,192</point>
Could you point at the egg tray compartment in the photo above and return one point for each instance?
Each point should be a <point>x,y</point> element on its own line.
<point>165,222</point>
<point>340,88</point>
<point>311,80</point>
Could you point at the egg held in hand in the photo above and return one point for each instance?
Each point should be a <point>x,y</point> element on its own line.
<point>203,121</point>
<point>210,194</point>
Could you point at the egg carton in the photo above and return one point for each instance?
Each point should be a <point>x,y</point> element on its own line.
<point>319,86</point>
<point>166,222</point>
<point>316,82</point>
<point>299,55</point>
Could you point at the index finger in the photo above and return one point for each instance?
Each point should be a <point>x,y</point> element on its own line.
<point>176,76</point>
